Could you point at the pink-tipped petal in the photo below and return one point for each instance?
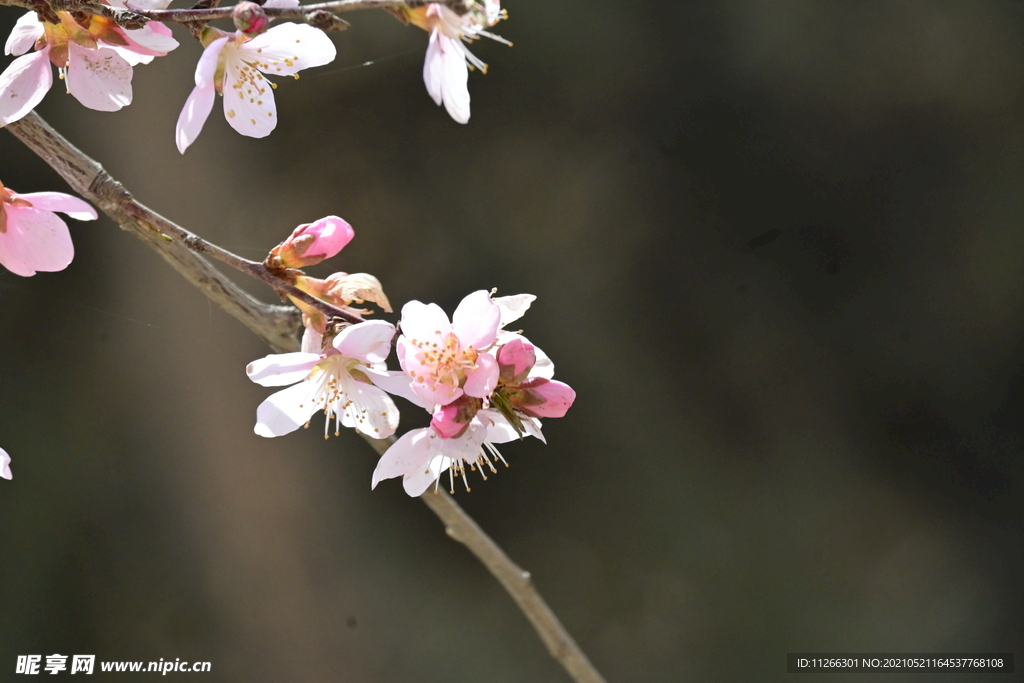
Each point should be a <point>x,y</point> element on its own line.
<point>282,369</point>
<point>476,320</point>
<point>482,380</point>
<point>289,48</point>
<point>23,85</point>
<point>147,41</point>
<point>24,34</point>
<point>5,465</point>
<point>409,454</point>
<point>369,341</point>
<point>38,239</point>
<point>285,411</point>
<point>58,201</point>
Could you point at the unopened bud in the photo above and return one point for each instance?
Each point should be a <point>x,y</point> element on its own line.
<point>311,243</point>
<point>250,18</point>
<point>515,359</point>
<point>452,420</point>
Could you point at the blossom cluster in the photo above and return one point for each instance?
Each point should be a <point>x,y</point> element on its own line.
<point>95,57</point>
<point>481,384</point>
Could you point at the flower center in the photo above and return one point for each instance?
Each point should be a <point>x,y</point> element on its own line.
<point>446,363</point>
<point>329,388</point>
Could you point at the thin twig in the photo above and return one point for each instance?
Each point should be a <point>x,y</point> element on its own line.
<point>276,325</point>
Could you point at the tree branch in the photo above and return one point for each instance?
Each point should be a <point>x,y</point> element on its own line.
<point>315,14</point>
<point>276,325</point>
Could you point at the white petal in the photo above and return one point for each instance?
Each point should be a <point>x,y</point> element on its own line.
<point>23,85</point>
<point>409,454</point>
<point>5,465</point>
<point>65,203</point>
<point>369,341</point>
<point>281,369</point>
<point>513,307</point>
<point>419,481</point>
<point>289,48</point>
<point>432,68</point>
<point>312,341</point>
<point>370,410</point>
<point>424,322</point>
<point>475,321</point>
<point>206,68</point>
<point>285,411</point>
<point>100,79</point>
<point>152,40</point>
<point>24,35</point>
<point>248,99</point>
<point>454,78</point>
<point>396,383</point>
<point>281,3</point>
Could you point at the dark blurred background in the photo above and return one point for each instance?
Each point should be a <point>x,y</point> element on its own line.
<point>778,251</point>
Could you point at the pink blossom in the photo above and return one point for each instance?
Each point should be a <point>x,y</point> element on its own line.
<point>311,243</point>
<point>448,359</point>
<point>448,61</point>
<point>93,55</point>
<point>32,237</point>
<point>421,456</point>
<point>339,381</point>
<point>233,65</point>
<point>5,465</point>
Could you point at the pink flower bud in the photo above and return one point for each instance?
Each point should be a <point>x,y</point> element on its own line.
<point>250,18</point>
<point>539,397</point>
<point>445,421</point>
<point>515,360</point>
<point>311,243</point>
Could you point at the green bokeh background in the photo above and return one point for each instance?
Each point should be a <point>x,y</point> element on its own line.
<point>778,249</point>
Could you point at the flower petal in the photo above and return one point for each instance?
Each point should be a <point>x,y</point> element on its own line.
<point>476,320</point>
<point>23,85</point>
<point>368,341</point>
<point>100,79</point>
<point>281,369</point>
<point>289,48</point>
<point>248,99</point>
<point>152,42</point>
<point>200,102</point>
<point>483,379</point>
<point>396,383</point>
<point>513,307</point>
<point>418,482</point>
<point>193,115</point>
<point>368,409</point>
<point>424,322</point>
<point>454,78</point>
<point>58,201</point>
<point>409,454</point>
<point>38,239</point>
<point>285,411</point>
<point>433,68</point>
<point>5,465</point>
<point>24,34</point>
